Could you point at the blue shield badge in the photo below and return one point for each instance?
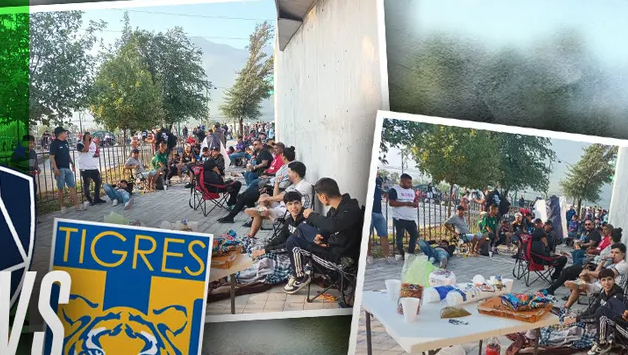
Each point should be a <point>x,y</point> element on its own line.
<point>17,226</point>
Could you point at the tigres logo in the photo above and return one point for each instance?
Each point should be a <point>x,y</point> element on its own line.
<point>121,330</point>
<point>135,291</point>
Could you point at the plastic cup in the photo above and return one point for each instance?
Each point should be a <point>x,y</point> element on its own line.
<point>393,287</point>
<point>410,307</point>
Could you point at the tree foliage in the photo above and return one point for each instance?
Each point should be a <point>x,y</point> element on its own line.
<point>124,94</point>
<point>175,64</point>
<point>253,85</point>
<point>585,179</point>
<point>62,66</point>
<point>14,68</point>
<point>397,134</point>
<point>525,162</point>
<point>455,155</point>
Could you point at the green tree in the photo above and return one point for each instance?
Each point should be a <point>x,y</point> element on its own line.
<point>243,100</point>
<point>397,134</point>
<point>61,64</point>
<point>124,94</point>
<point>14,68</point>
<point>461,156</point>
<point>175,64</point>
<point>525,162</point>
<point>585,179</point>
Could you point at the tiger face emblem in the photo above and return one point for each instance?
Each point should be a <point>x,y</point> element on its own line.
<point>122,330</point>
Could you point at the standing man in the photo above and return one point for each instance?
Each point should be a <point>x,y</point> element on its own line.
<point>404,208</point>
<point>61,160</point>
<point>88,165</point>
<point>220,134</point>
<point>379,223</point>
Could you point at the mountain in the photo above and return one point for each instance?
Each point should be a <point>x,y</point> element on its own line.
<point>221,63</point>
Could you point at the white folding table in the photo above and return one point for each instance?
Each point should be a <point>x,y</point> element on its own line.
<point>429,332</point>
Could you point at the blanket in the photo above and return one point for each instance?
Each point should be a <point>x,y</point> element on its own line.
<point>271,268</point>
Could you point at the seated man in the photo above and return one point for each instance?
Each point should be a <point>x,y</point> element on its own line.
<point>609,305</point>
<point>173,168</point>
<point>488,227</point>
<point>211,176</point>
<point>457,225</point>
<point>218,158</point>
<point>239,151</point>
<point>552,237</point>
<point>272,207</point>
<point>120,193</point>
<point>541,249</point>
<point>160,164</point>
<point>251,195</point>
<point>343,224</point>
<point>135,165</point>
<point>274,168</point>
<point>439,252</point>
<point>589,283</point>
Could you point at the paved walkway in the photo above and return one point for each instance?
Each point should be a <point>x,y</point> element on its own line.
<point>464,269</point>
<point>172,205</point>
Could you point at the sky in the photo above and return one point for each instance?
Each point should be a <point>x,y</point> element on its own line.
<point>567,153</point>
<point>523,22</point>
<point>228,23</point>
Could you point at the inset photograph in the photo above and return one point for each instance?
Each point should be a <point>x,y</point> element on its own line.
<point>493,238</point>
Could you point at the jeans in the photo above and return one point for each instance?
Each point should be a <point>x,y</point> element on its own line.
<point>66,178</point>
<point>578,256</point>
<point>568,274</point>
<point>239,155</point>
<point>247,199</point>
<point>379,223</point>
<point>88,176</point>
<point>401,226</point>
<point>116,194</point>
<point>249,177</point>
<point>437,253</point>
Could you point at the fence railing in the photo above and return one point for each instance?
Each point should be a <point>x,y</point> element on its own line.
<point>431,217</point>
<point>110,161</point>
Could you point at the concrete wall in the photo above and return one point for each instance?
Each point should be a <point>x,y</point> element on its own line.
<point>619,199</point>
<point>327,92</point>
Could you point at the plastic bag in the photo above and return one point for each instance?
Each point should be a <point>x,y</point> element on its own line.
<point>453,312</point>
<point>115,218</point>
<point>416,270</point>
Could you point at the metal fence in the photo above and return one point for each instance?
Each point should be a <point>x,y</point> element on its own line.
<point>110,161</point>
<point>430,219</point>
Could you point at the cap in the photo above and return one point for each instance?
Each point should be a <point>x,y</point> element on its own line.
<point>60,130</point>
<point>217,149</point>
<point>135,151</point>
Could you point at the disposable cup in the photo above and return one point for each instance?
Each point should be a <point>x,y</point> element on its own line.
<point>410,307</point>
<point>393,287</point>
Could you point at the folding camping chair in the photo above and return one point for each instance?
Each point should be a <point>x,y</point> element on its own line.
<point>340,275</point>
<point>529,265</point>
<point>200,193</point>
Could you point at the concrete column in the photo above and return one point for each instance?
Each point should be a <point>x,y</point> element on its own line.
<point>619,199</point>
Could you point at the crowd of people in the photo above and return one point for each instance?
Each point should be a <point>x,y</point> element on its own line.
<point>273,188</point>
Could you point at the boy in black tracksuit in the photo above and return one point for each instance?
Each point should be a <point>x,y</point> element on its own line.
<point>342,224</point>
<point>294,219</point>
<point>609,305</point>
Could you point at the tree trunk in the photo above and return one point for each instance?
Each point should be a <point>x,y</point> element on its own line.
<point>579,206</point>
<point>451,191</point>
<point>241,125</point>
<point>124,143</point>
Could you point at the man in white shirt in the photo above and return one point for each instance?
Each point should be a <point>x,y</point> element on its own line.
<point>273,207</point>
<point>402,199</point>
<point>88,165</point>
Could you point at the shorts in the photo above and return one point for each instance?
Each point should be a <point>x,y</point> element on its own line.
<point>145,174</point>
<point>185,169</point>
<point>467,238</point>
<point>66,178</point>
<point>593,288</point>
<point>379,223</point>
<point>276,210</point>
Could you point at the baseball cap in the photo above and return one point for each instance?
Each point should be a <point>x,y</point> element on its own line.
<point>135,151</point>
<point>60,130</point>
<point>215,148</point>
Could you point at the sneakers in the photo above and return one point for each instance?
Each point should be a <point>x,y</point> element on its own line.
<point>431,260</point>
<point>87,203</point>
<point>297,285</point>
<point>391,260</point>
<point>99,201</point>
<point>248,224</point>
<point>225,220</point>
<point>369,260</point>
<point>80,207</point>
<point>114,203</point>
<point>602,348</point>
<point>128,204</point>
<point>188,185</point>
